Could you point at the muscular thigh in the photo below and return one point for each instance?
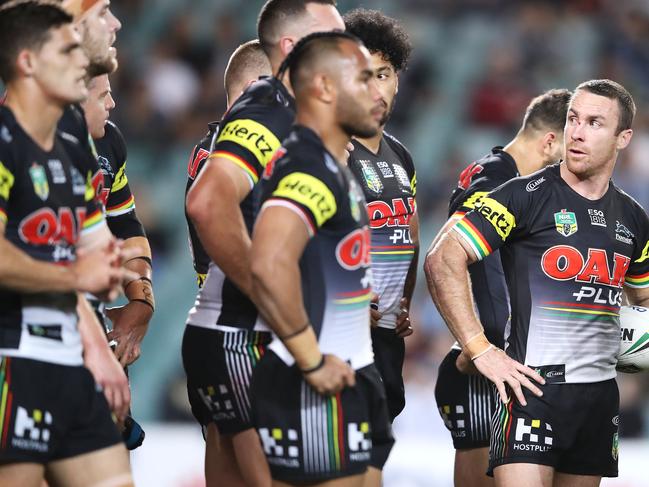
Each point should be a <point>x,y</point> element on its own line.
<point>108,467</point>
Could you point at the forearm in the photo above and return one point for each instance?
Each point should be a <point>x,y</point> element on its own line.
<point>92,333</point>
<point>277,292</point>
<point>411,277</point>
<point>448,283</point>
<point>19,272</point>
<point>140,289</point>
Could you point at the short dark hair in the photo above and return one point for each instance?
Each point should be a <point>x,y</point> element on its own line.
<point>615,91</point>
<point>380,34</point>
<point>547,111</point>
<point>247,60</point>
<point>26,25</point>
<point>275,14</point>
<point>309,50</point>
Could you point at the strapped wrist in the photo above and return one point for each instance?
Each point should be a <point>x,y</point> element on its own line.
<point>476,346</point>
<point>140,289</point>
<point>303,345</point>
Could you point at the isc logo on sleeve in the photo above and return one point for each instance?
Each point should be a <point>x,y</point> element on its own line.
<point>310,192</point>
<point>252,136</point>
<point>496,214</point>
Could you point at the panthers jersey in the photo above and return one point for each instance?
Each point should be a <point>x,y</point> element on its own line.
<point>46,203</point>
<point>487,276</point>
<point>335,265</point>
<point>389,182</point>
<point>197,159</point>
<point>566,259</point>
<point>249,135</point>
<point>116,196</point>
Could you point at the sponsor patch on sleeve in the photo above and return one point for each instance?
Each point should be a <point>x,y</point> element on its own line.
<point>497,215</point>
<point>645,254</point>
<point>120,179</point>
<point>6,181</point>
<point>253,136</point>
<point>310,192</point>
<point>472,200</point>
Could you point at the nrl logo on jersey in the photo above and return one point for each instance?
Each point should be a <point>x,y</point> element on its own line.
<point>355,200</point>
<point>372,179</point>
<point>565,222</point>
<point>39,178</point>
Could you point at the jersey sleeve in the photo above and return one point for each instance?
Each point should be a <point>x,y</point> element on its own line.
<point>495,218</point>
<point>248,139</point>
<point>308,193</point>
<point>94,217</point>
<point>637,276</point>
<point>7,180</point>
<point>474,183</point>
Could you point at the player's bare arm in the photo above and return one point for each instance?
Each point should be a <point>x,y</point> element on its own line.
<point>91,272</point>
<point>100,360</point>
<point>213,205</point>
<point>404,326</point>
<point>131,321</point>
<point>279,239</point>
<point>446,269</point>
<point>637,296</point>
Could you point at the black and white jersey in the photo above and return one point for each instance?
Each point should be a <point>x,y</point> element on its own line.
<point>249,135</point>
<point>116,196</point>
<point>46,203</point>
<point>389,182</point>
<point>487,276</point>
<point>566,259</point>
<point>335,264</point>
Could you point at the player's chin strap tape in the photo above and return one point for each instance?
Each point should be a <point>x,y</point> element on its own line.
<point>140,289</point>
<point>303,345</point>
<point>477,346</point>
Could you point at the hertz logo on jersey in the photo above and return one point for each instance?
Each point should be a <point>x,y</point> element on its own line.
<point>309,191</point>
<point>474,199</point>
<point>253,136</point>
<point>6,181</point>
<point>496,214</point>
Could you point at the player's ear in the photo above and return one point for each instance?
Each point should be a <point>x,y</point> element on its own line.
<point>324,85</point>
<point>286,45</point>
<point>25,63</point>
<point>548,143</point>
<point>623,139</point>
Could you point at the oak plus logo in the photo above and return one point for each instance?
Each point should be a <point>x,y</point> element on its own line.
<point>533,437</point>
<point>32,431</point>
<point>281,446</point>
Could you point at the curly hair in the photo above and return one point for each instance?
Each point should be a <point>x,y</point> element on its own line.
<point>380,34</point>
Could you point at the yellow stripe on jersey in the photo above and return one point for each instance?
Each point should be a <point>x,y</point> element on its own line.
<point>3,216</point>
<point>308,191</point>
<point>6,181</point>
<point>90,189</point>
<point>253,136</point>
<point>413,184</point>
<point>93,220</point>
<point>120,179</point>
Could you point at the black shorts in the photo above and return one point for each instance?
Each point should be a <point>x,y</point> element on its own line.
<point>465,403</point>
<point>573,428</point>
<point>308,437</point>
<point>219,367</point>
<point>389,352</point>
<point>51,412</point>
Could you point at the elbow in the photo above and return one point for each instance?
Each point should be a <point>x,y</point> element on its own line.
<point>196,205</point>
<point>432,263</point>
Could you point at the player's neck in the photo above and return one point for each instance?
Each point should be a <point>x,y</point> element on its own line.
<point>591,187</point>
<point>333,137</point>
<point>525,155</point>
<point>36,114</point>
<point>373,144</point>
